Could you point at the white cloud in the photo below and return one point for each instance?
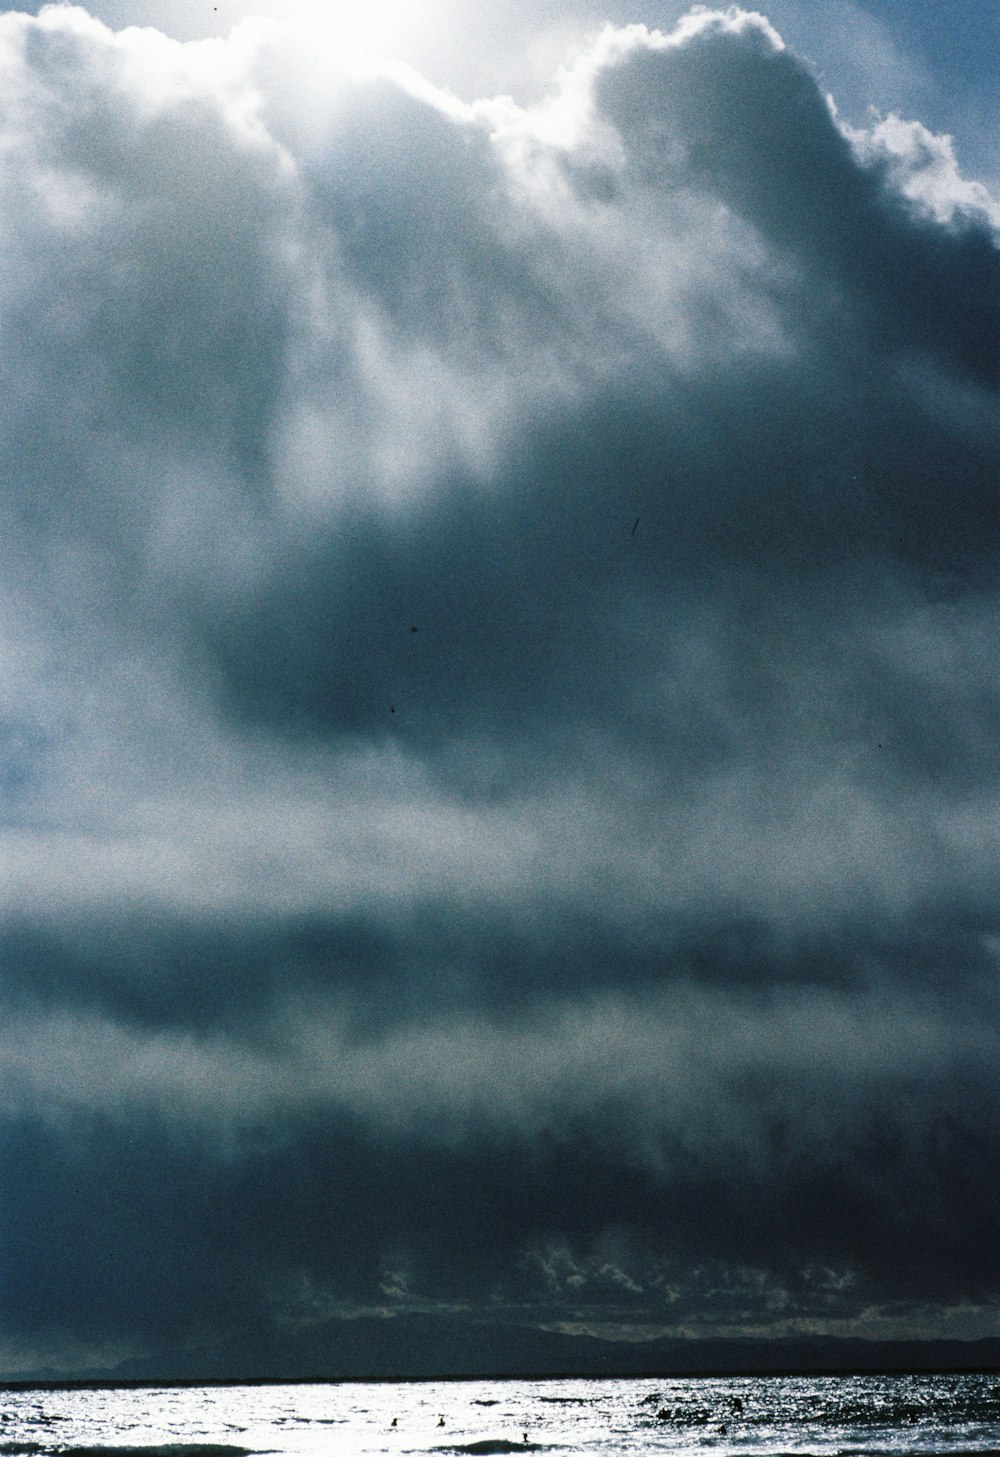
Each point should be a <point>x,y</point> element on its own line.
<point>923,167</point>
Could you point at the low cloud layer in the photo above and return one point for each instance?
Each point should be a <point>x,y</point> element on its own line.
<point>498,722</point>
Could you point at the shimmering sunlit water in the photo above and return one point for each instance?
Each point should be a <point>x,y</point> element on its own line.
<point>724,1417</point>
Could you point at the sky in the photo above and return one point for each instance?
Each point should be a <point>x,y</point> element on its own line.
<point>498,639</point>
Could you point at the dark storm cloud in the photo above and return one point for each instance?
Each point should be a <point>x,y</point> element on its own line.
<point>499,718</point>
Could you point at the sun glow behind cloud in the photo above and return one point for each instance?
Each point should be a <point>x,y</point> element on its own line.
<point>358,32</point>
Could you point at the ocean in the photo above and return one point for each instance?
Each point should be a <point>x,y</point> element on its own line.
<point>853,1416</point>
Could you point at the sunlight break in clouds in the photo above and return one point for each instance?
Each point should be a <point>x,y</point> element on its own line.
<point>344,30</point>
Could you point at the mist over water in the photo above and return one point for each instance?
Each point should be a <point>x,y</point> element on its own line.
<point>766,1417</point>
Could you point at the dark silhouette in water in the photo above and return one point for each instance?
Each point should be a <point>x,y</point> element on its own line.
<point>493,1446</point>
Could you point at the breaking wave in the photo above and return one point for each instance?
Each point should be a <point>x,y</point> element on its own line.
<point>489,1445</point>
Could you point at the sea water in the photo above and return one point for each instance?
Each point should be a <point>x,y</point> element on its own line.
<point>852,1416</point>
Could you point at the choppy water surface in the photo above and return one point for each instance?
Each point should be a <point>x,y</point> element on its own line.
<point>724,1417</point>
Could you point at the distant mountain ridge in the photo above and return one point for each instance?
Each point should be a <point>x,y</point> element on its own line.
<point>423,1347</point>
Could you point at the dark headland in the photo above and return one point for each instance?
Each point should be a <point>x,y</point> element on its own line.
<point>421,1347</point>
